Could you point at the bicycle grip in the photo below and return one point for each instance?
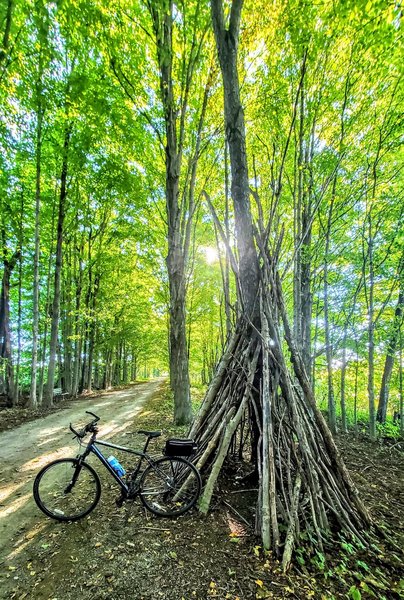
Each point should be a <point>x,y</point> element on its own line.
<point>76,433</point>
<point>88,412</point>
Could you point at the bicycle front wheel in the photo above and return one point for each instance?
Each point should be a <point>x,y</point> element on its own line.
<point>67,490</point>
<point>170,486</point>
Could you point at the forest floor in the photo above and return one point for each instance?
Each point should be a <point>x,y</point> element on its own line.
<point>128,554</point>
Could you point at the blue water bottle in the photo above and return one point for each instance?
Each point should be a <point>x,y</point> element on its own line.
<point>116,465</point>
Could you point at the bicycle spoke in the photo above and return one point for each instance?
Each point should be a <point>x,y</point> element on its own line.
<point>171,486</point>
<point>65,491</point>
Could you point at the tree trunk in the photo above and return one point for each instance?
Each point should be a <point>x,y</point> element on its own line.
<point>401,387</point>
<point>92,333</point>
<point>162,17</point>
<point>41,380</point>
<point>35,301</point>
<point>6,34</point>
<point>20,309</point>
<point>6,359</point>
<point>226,270</point>
<point>371,337</point>
<point>227,47</point>
<point>134,365</point>
<point>306,267</point>
<point>355,419</point>
<point>344,424</point>
<point>332,419</point>
<point>179,366</point>
<point>48,396</point>
<point>389,361</point>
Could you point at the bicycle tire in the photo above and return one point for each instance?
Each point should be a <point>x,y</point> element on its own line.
<point>52,482</point>
<point>170,486</point>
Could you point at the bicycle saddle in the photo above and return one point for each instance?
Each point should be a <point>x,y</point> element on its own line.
<point>151,434</point>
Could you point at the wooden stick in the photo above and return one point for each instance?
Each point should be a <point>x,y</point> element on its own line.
<point>290,535</point>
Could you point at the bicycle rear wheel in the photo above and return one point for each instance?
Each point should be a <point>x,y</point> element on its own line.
<point>67,490</point>
<point>170,486</point>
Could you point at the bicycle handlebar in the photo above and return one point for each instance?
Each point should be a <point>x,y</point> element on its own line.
<point>93,415</point>
<point>87,428</point>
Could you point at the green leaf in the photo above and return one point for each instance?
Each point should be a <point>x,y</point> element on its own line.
<point>354,593</point>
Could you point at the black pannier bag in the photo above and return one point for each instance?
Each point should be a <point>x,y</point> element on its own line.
<point>176,447</point>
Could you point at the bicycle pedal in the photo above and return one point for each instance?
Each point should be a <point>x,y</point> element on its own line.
<point>119,501</point>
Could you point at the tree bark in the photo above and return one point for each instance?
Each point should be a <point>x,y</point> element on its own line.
<point>48,396</point>
<point>332,419</point>
<point>389,361</point>
<point>20,303</point>
<point>6,359</point>
<point>227,46</point>
<point>6,34</point>
<point>35,293</point>
<point>371,338</point>
<point>344,424</point>
<point>401,386</point>
<point>162,17</point>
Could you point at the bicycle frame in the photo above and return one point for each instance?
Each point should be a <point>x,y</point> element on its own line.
<point>92,449</point>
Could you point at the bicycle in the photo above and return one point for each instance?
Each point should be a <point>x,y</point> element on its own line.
<point>68,489</point>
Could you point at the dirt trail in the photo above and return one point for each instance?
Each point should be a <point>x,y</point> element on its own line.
<point>25,449</point>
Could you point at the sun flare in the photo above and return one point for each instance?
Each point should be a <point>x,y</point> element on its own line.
<point>211,254</point>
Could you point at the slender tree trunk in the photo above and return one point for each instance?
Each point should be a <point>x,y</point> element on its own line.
<point>125,363</point>
<point>332,418</point>
<point>371,234</point>
<point>97,368</point>
<point>48,397</point>
<point>46,311</point>
<point>162,17</point>
<point>297,224</point>
<point>306,264</point>
<point>6,359</point>
<point>78,277</point>
<point>91,343</point>
<point>226,274</point>
<point>19,313</point>
<point>67,354</point>
<point>83,362</point>
<point>401,386</point>
<point>356,389</point>
<point>389,361</point>
<point>91,302</point>
<point>134,365</point>
<point>6,33</point>
<point>227,47</point>
<point>371,339</point>
<point>344,424</point>
<point>313,359</point>
<point>35,300</point>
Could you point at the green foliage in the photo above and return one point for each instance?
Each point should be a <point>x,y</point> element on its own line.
<point>354,593</point>
<point>388,430</point>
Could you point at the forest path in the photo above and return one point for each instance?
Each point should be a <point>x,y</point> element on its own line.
<point>25,449</point>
